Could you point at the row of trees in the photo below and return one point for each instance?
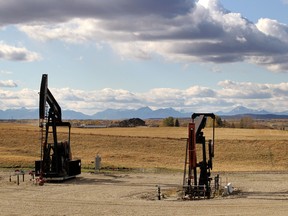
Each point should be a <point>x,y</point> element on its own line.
<point>244,122</point>
<point>171,122</point>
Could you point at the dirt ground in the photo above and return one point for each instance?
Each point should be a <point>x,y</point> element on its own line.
<point>135,193</point>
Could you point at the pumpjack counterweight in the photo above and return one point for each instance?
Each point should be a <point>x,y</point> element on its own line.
<point>56,158</point>
<point>193,186</point>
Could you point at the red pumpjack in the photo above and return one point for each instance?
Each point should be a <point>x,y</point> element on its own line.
<point>193,186</point>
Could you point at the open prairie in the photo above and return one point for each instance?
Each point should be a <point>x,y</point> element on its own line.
<point>253,160</point>
<point>144,147</point>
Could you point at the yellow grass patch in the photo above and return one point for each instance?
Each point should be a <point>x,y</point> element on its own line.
<point>235,149</point>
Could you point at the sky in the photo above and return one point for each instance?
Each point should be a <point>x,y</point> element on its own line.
<point>191,55</point>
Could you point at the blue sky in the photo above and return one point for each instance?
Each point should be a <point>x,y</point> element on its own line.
<point>197,56</point>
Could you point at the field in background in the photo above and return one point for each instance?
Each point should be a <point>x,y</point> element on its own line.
<point>144,147</point>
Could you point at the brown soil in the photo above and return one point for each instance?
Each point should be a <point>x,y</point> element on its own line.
<point>256,193</point>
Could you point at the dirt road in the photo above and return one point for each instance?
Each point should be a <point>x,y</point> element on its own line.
<point>135,194</point>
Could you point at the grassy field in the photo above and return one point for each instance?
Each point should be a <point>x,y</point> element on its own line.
<point>235,149</point>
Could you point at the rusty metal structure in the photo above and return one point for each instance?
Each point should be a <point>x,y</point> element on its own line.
<point>195,164</point>
<point>56,158</point>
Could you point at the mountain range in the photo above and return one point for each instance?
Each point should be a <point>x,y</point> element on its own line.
<point>143,113</point>
<point>240,110</point>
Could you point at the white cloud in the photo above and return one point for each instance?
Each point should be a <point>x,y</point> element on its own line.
<point>13,53</point>
<point>272,97</point>
<point>198,91</point>
<point>189,31</point>
<point>7,83</point>
<point>245,90</point>
<point>273,28</point>
<point>18,99</point>
<point>74,31</point>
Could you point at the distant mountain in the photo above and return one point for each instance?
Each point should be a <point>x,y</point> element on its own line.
<point>144,113</point>
<point>282,113</point>
<point>21,113</point>
<point>240,110</point>
<point>70,114</point>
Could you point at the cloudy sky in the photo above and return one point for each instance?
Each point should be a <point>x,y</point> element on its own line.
<point>196,56</point>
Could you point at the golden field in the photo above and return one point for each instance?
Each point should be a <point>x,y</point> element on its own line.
<point>145,147</point>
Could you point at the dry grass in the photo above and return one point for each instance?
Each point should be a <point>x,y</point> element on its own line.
<point>235,149</point>
<point>160,132</point>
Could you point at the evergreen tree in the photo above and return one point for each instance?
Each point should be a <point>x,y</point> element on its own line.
<point>219,122</point>
<point>177,124</point>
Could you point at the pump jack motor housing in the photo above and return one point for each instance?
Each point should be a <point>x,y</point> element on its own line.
<point>193,186</point>
<point>56,158</point>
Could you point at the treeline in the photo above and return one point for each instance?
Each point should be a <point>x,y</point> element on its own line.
<point>170,122</point>
<point>244,122</point>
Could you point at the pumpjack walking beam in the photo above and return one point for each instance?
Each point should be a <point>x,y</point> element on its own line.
<point>192,185</point>
<point>56,160</point>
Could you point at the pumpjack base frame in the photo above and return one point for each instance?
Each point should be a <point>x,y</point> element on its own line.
<point>196,192</point>
<point>74,169</point>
